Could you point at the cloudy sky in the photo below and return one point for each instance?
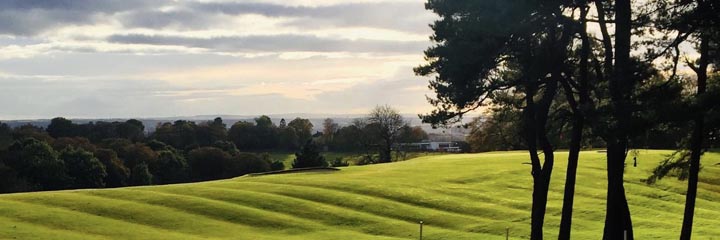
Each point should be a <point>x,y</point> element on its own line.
<point>162,58</point>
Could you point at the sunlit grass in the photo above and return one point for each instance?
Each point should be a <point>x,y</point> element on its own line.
<point>458,196</point>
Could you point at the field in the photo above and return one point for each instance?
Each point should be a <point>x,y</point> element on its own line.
<point>459,196</point>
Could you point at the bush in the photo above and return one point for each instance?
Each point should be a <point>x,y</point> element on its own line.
<point>309,156</point>
<point>339,162</point>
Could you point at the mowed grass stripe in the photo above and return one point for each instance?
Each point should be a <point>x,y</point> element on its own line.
<point>222,211</point>
<point>424,198</point>
<point>13,228</point>
<point>329,214</point>
<point>135,212</point>
<point>59,218</point>
<point>365,203</point>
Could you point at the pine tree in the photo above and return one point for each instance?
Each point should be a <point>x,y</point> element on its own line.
<point>309,156</point>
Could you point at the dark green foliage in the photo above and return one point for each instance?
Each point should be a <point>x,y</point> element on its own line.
<point>265,133</point>
<point>180,134</point>
<point>84,169</point>
<point>303,129</point>
<point>207,163</point>
<point>288,138</point>
<point>277,165</point>
<point>5,136</point>
<point>245,163</point>
<point>61,127</point>
<point>210,132</point>
<point>36,162</point>
<point>30,131</point>
<point>227,146</point>
<point>132,129</point>
<point>75,142</point>
<point>170,167</point>
<point>243,135</point>
<point>339,162</point>
<point>157,146</point>
<point>10,181</point>
<point>117,173</point>
<point>309,156</point>
<point>140,175</point>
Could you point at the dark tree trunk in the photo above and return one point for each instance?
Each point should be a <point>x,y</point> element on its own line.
<point>535,119</point>
<point>577,129</point>
<point>696,143</point>
<point>618,224</point>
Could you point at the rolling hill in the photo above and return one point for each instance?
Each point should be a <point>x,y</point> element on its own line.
<point>463,196</point>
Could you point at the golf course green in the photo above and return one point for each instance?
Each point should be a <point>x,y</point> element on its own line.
<point>457,196</point>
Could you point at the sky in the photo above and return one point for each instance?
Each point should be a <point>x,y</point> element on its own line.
<point>165,58</point>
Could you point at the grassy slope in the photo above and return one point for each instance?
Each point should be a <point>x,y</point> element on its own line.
<point>473,196</point>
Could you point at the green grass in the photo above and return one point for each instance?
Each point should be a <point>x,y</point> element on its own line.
<point>458,196</point>
<point>352,158</point>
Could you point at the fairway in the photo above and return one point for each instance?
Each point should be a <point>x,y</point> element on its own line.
<point>458,196</point>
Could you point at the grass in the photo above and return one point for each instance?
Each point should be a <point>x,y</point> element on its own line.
<point>458,196</point>
<point>352,158</point>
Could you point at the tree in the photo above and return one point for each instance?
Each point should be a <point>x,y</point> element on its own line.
<point>117,173</point>
<point>207,163</point>
<point>265,133</point>
<point>499,130</point>
<point>61,127</point>
<point>412,134</point>
<point>6,138</point>
<point>74,142</point>
<point>692,21</point>
<point>245,163</point>
<point>38,163</point>
<point>208,133</point>
<point>243,135</point>
<point>389,124</point>
<point>329,130</point>
<point>507,52</point>
<point>170,167</point>
<point>303,129</point>
<point>132,129</point>
<point>309,156</point>
<point>85,170</point>
<point>140,175</point>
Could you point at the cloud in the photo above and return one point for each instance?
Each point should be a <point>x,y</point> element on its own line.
<point>401,16</point>
<point>274,43</point>
<point>31,17</point>
<point>179,18</point>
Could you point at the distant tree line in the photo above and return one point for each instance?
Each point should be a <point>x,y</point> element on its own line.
<point>66,155</point>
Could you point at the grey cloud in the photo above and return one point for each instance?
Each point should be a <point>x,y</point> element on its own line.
<point>272,43</point>
<point>403,16</point>
<point>30,17</point>
<point>80,5</point>
<point>181,18</point>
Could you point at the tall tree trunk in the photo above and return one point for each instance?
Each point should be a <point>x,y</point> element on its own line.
<point>577,129</point>
<point>618,223</point>
<point>535,120</point>
<point>696,143</point>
